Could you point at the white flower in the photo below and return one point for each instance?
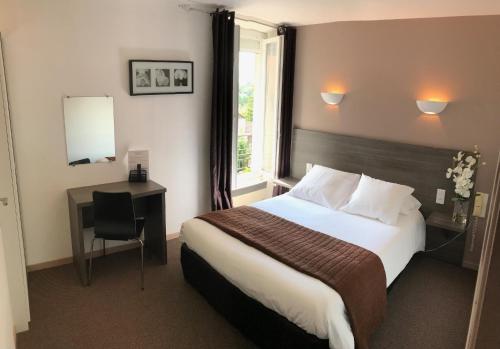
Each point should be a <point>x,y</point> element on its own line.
<point>458,169</point>
<point>463,192</point>
<point>462,183</point>
<point>467,172</point>
<point>470,160</point>
<point>462,172</point>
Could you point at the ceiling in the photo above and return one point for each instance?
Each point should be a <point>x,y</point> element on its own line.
<point>304,12</point>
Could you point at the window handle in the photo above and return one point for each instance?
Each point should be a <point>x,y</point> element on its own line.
<point>4,201</point>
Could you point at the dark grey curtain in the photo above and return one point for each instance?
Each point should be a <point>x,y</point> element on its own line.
<point>222,109</point>
<point>286,122</point>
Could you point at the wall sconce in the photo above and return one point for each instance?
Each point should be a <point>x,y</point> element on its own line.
<point>431,107</point>
<point>332,98</point>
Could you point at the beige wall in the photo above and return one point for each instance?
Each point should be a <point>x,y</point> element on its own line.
<point>384,66</point>
<point>81,48</point>
<point>7,339</point>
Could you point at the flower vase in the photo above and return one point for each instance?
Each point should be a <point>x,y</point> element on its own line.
<point>460,211</point>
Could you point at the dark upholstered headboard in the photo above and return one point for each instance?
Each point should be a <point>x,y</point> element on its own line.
<point>420,167</point>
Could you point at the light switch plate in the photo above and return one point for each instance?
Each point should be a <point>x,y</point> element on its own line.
<point>480,204</point>
<point>440,196</point>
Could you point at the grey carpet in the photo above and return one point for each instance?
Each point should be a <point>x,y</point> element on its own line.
<point>429,308</point>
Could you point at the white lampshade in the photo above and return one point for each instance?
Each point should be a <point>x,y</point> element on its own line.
<point>332,98</point>
<point>431,107</point>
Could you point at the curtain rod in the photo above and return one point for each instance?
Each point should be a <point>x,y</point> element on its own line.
<point>189,7</point>
<point>256,21</point>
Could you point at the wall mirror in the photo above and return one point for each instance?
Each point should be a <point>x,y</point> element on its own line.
<point>90,129</point>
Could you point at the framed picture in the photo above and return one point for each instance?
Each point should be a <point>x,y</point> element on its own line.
<point>160,77</point>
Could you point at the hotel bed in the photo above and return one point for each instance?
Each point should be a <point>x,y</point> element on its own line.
<point>278,306</point>
<point>301,299</point>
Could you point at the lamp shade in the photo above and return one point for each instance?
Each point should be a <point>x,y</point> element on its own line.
<point>431,107</point>
<point>332,98</point>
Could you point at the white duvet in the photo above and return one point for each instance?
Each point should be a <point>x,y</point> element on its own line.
<point>303,300</point>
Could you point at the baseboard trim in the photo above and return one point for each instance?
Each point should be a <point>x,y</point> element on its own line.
<point>69,260</point>
<point>97,253</point>
<point>49,264</point>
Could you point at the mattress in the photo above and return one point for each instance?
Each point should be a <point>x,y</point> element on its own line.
<point>303,300</point>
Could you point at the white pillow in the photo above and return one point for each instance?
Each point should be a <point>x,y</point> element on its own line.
<point>410,204</point>
<point>326,187</point>
<point>378,199</point>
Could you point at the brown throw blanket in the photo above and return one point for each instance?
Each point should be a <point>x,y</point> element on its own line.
<point>354,272</point>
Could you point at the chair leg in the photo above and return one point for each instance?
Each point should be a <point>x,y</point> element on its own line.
<point>90,262</point>
<point>142,263</point>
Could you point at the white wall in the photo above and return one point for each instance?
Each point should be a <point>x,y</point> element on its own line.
<point>7,339</point>
<point>81,48</point>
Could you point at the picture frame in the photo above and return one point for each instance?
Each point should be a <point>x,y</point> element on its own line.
<point>156,77</point>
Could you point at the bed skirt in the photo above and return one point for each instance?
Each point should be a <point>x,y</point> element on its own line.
<point>263,326</point>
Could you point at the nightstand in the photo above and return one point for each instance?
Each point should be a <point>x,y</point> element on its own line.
<point>440,229</point>
<point>287,182</point>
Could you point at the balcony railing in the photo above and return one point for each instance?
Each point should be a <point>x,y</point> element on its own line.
<point>244,153</point>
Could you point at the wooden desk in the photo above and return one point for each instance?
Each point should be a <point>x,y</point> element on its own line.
<point>149,202</point>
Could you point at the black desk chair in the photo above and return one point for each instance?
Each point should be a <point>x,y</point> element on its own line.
<point>114,219</point>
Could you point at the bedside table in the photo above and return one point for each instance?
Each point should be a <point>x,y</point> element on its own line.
<point>286,182</point>
<point>440,229</point>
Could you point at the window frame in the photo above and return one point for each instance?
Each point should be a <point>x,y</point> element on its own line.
<point>259,105</point>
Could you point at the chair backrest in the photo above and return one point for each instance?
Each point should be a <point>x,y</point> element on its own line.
<point>114,214</point>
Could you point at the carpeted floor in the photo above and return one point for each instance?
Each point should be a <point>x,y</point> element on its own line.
<point>429,308</point>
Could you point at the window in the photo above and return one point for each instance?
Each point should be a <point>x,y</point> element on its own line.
<point>246,97</point>
<point>259,68</point>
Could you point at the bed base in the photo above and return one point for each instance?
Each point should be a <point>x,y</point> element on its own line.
<point>263,326</point>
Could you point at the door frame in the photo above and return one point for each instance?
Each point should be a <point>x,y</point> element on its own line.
<point>5,117</point>
<point>485,261</point>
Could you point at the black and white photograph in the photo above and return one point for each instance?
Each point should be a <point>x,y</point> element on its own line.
<point>162,77</point>
<point>155,77</point>
<point>143,77</point>
<point>180,77</point>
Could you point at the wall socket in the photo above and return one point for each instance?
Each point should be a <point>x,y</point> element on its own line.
<point>440,196</point>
